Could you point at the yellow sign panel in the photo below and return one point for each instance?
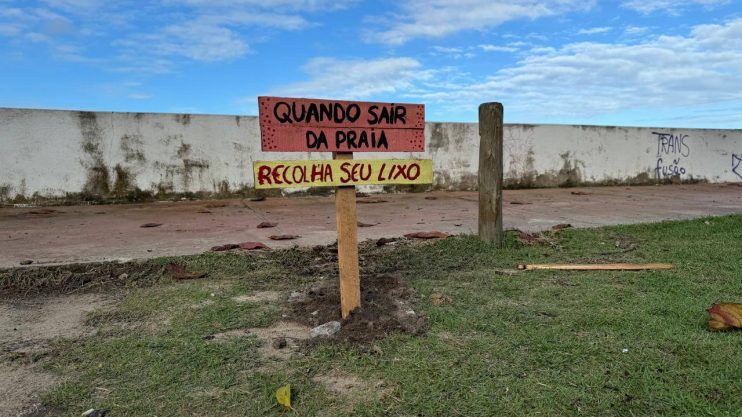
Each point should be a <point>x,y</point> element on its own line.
<point>333,173</point>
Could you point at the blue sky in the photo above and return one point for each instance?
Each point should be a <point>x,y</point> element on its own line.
<point>623,62</point>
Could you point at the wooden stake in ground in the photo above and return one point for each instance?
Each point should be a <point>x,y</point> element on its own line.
<point>345,211</point>
<point>596,267</point>
<point>490,172</point>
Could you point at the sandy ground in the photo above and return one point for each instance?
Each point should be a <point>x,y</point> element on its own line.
<point>114,232</point>
<point>26,328</point>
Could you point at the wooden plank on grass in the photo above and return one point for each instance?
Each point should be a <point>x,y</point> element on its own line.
<point>597,267</point>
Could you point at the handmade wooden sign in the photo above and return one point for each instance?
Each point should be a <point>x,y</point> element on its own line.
<point>341,127</point>
<point>335,173</point>
<point>309,125</point>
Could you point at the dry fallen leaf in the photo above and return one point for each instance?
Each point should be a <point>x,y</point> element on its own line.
<point>386,240</point>
<point>439,299</point>
<point>252,246</point>
<point>283,237</point>
<point>228,246</point>
<point>561,226</point>
<point>266,225</point>
<point>725,316</point>
<point>283,396</point>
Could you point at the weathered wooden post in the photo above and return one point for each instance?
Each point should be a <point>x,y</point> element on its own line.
<point>490,172</point>
<point>348,268</point>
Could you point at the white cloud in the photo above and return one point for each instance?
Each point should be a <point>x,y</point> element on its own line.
<point>243,18</point>
<point>208,38</point>
<point>454,52</point>
<point>593,31</point>
<point>636,30</point>
<point>439,18</point>
<point>75,6</point>
<point>587,79</point>
<point>669,6</point>
<point>139,96</point>
<point>132,90</point>
<point>497,48</point>
<point>35,25</point>
<point>448,50</point>
<point>197,41</point>
<point>154,37</point>
<point>293,5</point>
<point>10,29</point>
<point>356,79</point>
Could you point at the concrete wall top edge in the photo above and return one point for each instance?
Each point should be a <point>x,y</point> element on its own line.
<point>524,125</point>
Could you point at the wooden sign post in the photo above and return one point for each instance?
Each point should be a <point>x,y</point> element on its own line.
<point>341,127</point>
<point>347,227</point>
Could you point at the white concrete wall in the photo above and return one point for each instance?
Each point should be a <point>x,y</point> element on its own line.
<point>52,153</point>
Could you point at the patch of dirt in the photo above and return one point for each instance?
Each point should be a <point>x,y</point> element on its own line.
<point>537,238</point>
<point>386,307</point>
<point>341,383</point>
<point>26,327</point>
<point>257,297</point>
<point>21,386</point>
<point>351,388</point>
<point>47,318</point>
<point>293,334</point>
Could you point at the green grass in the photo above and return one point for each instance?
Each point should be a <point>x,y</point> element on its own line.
<point>534,343</point>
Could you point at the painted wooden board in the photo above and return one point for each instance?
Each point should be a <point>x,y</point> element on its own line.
<point>332,139</point>
<point>334,173</point>
<point>315,125</point>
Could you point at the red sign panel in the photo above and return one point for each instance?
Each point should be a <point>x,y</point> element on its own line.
<point>313,125</point>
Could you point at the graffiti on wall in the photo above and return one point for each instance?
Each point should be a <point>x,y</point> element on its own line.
<point>671,149</point>
<point>736,162</point>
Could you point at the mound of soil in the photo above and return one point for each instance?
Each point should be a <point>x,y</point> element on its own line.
<point>386,307</point>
